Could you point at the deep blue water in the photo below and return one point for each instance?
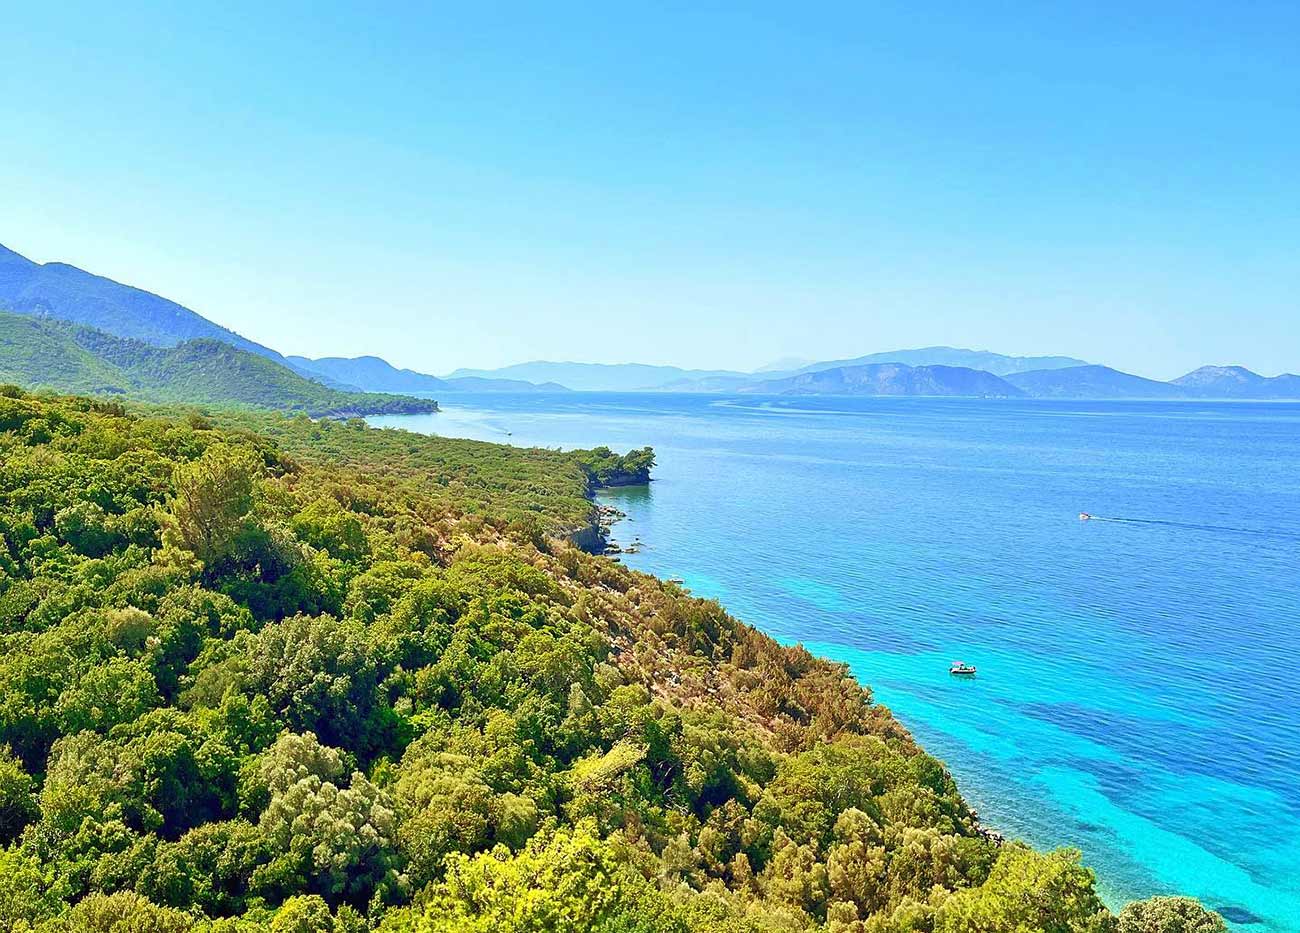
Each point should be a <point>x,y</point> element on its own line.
<point>1136,694</point>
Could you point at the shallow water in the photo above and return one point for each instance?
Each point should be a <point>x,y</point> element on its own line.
<point>1135,695</point>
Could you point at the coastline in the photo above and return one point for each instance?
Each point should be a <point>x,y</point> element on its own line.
<point>610,517</point>
<point>1000,827</point>
<point>1035,749</point>
<point>594,536</point>
<point>606,470</point>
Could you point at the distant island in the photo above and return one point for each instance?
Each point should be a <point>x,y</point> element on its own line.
<point>1237,382</point>
<point>998,364</point>
<point>889,379</point>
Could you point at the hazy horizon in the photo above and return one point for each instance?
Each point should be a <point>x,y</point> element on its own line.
<point>497,186</point>
<point>765,368</point>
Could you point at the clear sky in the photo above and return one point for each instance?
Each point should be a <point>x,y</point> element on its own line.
<point>694,183</point>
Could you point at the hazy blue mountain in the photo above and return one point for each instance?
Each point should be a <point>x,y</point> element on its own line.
<point>64,292</point>
<point>293,363</point>
<point>374,374</point>
<point>996,363</point>
<point>786,364</point>
<point>44,353</point>
<point>1091,382</point>
<point>1238,382</point>
<point>370,373</point>
<point>633,377</point>
<point>890,379</point>
<point>484,384</point>
<point>597,377</point>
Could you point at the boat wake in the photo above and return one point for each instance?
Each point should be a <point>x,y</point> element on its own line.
<point>1194,526</point>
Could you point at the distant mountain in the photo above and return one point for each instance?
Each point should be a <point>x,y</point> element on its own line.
<point>378,375</point>
<point>890,379</point>
<point>635,377</point>
<point>41,353</point>
<point>1091,382</point>
<point>60,292</point>
<point>368,372</point>
<point>80,358</point>
<point>483,384</point>
<point>64,292</point>
<point>996,363</point>
<point>597,377</point>
<point>1238,382</point>
<point>1074,382</point>
<point>786,364</point>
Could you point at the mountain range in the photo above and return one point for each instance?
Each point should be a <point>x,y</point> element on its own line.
<point>378,375</point>
<point>147,324</point>
<point>986,361</point>
<point>1088,381</point>
<point>64,292</point>
<point>926,371</point>
<point>640,377</point>
<point>96,311</point>
<point>599,377</point>
<point>996,363</point>
<point>890,379</point>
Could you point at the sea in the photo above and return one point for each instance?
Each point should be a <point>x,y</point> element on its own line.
<point>1136,695</point>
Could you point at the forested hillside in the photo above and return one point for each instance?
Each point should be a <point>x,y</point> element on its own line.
<point>72,358</point>
<point>266,674</point>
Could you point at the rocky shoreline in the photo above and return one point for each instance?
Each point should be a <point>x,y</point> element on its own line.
<point>609,516</point>
<point>593,537</point>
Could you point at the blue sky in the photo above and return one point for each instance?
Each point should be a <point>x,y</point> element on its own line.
<point>700,184</point>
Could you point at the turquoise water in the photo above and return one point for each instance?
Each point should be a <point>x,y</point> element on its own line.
<point>1136,693</point>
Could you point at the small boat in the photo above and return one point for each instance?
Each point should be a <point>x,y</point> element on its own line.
<point>1084,516</point>
<point>961,668</point>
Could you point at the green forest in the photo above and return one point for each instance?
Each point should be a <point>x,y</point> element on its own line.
<point>55,354</point>
<point>264,673</point>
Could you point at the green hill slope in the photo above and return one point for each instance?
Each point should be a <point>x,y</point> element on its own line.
<point>35,354</point>
<point>52,354</point>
